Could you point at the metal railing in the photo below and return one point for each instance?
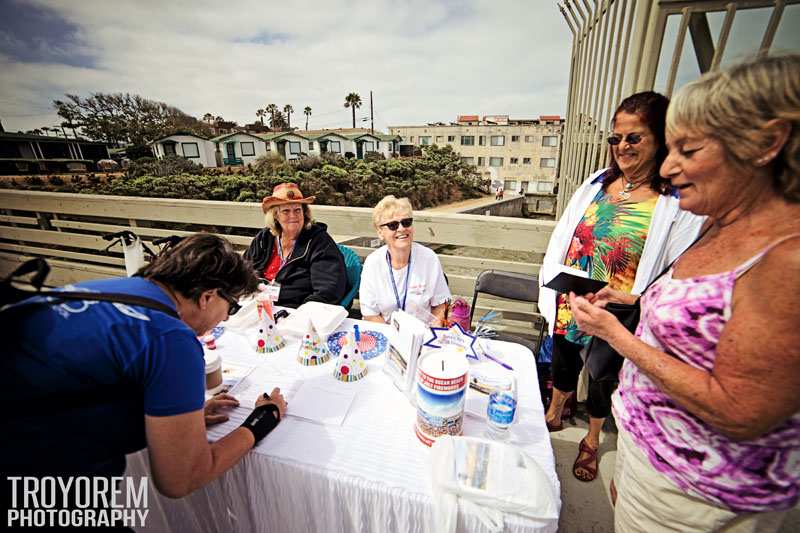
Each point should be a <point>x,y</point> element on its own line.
<point>620,47</point>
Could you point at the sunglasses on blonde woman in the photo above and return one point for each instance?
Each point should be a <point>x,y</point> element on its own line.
<point>394,224</point>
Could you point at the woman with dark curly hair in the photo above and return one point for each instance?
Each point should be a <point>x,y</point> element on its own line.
<point>707,407</point>
<point>622,226</point>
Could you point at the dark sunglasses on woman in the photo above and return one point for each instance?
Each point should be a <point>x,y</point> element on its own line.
<point>394,224</point>
<point>233,305</point>
<point>631,138</point>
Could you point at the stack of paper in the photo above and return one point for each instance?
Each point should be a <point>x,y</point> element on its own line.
<point>401,361</point>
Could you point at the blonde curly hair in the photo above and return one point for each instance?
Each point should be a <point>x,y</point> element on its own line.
<point>734,105</point>
<point>390,205</point>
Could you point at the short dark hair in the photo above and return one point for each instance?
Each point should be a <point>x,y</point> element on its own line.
<point>651,108</point>
<point>199,263</point>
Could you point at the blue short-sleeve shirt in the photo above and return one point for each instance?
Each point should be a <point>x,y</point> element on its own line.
<point>83,374</point>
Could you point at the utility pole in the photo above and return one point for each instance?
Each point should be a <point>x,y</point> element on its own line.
<point>371,116</point>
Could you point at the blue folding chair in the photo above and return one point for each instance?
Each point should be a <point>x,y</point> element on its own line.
<point>352,265</point>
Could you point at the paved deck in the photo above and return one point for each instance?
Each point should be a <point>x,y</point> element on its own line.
<point>457,207</point>
<point>586,507</point>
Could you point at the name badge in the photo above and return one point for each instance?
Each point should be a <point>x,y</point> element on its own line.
<point>272,291</point>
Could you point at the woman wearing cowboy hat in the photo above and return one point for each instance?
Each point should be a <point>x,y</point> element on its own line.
<point>296,253</point>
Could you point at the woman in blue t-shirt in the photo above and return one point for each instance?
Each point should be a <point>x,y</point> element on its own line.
<point>95,380</point>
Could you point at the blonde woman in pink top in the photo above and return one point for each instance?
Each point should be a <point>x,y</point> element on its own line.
<point>708,408</point>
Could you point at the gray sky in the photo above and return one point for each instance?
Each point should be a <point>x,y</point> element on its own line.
<point>425,60</point>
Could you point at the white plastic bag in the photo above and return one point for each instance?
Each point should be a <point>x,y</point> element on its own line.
<point>488,479</point>
<point>134,255</point>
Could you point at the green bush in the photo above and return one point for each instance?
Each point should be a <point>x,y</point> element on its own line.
<point>168,166</point>
<point>437,176</point>
<point>270,164</point>
<point>373,156</point>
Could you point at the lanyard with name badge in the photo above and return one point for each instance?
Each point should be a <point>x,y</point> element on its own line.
<point>280,254</point>
<point>273,290</point>
<point>394,284</point>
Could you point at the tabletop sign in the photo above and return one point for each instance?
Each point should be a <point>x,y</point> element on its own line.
<point>454,336</point>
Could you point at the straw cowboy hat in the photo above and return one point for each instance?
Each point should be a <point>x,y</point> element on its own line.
<point>285,193</point>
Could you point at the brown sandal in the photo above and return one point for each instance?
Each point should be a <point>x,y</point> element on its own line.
<point>588,463</point>
<point>553,427</point>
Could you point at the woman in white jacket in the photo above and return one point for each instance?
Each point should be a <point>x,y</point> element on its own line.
<point>622,226</point>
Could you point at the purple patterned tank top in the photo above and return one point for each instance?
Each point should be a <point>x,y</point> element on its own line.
<point>685,318</point>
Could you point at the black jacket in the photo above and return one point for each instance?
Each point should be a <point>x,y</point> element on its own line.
<point>315,270</point>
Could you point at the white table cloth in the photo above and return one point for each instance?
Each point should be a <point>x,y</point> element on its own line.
<point>369,474</point>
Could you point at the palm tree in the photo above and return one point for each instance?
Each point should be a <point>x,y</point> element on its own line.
<point>208,117</point>
<point>272,109</point>
<point>353,100</point>
<point>307,113</point>
<point>278,123</point>
<point>45,129</point>
<point>260,113</point>
<point>288,109</point>
<point>218,119</point>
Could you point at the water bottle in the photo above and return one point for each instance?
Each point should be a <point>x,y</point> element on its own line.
<point>502,408</point>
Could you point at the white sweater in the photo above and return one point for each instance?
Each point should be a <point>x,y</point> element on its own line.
<point>671,231</point>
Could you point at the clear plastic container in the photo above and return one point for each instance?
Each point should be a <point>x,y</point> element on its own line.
<point>502,408</point>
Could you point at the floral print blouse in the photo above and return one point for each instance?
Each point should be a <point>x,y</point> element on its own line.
<point>607,244</point>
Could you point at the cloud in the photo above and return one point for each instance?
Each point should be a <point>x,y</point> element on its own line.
<point>424,60</point>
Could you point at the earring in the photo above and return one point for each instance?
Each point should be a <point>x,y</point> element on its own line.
<point>763,160</point>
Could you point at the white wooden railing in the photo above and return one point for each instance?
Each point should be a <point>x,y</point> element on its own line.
<point>67,229</point>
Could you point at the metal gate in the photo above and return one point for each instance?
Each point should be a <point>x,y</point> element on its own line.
<point>620,47</point>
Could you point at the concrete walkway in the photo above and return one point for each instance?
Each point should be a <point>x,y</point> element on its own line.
<point>586,507</point>
<point>457,207</point>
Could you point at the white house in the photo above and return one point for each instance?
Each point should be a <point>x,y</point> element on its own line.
<point>367,142</point>
<point>332,142</point>
<point>193,147</point>
<point>289,145</point>
<point>240,148</point>
<point>359,141</point>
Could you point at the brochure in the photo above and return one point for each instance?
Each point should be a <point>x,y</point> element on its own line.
<point>404,348</point>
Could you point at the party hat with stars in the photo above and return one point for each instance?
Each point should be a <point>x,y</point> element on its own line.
<point>350,365</point>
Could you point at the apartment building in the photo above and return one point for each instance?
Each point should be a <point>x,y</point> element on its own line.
<point>513,153</point>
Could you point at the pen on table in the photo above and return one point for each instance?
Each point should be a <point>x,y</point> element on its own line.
<point>499,362</point>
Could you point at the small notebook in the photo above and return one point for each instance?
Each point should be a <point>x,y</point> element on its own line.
<point>565,283</point>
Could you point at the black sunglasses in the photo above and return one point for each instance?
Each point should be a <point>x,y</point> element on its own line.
<point>631,138</point>
<point>233,304</point>
<point>394,224</point>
